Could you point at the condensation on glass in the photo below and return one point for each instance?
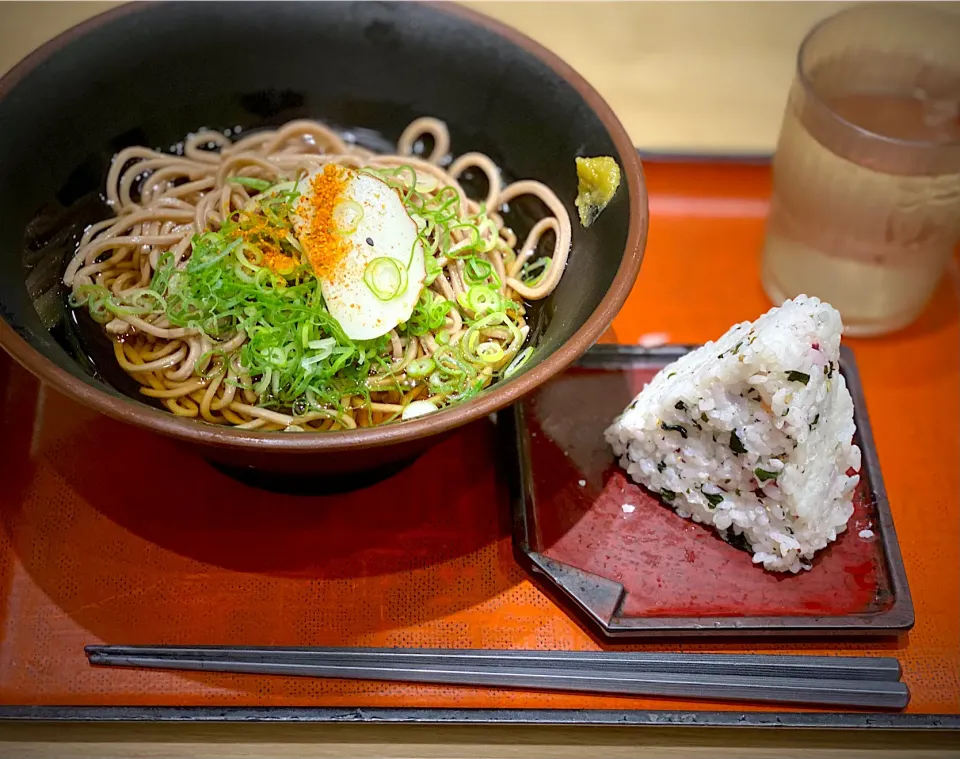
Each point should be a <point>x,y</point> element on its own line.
<point>865,211</point>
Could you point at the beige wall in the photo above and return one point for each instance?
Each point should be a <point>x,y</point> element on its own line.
<point>681,75</point>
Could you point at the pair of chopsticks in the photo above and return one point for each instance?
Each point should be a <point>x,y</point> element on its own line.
<point>850,681</point>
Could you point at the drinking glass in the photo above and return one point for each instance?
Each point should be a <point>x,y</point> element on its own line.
<point>865,211</point>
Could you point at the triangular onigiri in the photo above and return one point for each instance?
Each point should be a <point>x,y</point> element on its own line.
<point>752,434</point>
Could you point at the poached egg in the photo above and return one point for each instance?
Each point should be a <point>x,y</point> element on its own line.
<point>372,281</point>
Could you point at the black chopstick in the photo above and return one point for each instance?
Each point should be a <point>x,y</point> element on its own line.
<point>632,674</point>
<point>745,665</point>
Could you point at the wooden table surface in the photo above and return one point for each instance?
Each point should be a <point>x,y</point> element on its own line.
<point>682,77</point>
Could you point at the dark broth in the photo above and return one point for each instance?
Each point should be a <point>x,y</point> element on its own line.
<point>51,238</point>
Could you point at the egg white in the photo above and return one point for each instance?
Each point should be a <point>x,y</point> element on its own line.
<point>385,230</point>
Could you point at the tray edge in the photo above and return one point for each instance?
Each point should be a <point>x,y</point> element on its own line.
<point>441,716</point>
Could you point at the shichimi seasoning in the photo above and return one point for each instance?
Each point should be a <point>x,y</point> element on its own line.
<point>324,246</point>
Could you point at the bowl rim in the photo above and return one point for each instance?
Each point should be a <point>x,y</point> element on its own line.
<point>503,393</point>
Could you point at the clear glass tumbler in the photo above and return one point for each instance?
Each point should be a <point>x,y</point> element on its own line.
<point>865,211</point>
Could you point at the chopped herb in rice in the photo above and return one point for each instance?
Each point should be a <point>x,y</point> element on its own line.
<point>744,467</point>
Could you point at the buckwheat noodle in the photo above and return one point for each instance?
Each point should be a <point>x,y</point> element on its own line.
<point>161,201</point>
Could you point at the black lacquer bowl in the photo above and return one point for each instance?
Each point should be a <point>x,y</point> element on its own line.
<point>151,73</point>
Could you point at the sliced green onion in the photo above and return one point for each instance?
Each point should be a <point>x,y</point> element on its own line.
<point>521,358</point>
<point>533,272</point>
<point>451,365</point>
<point>445,203</point>
<point>420,367</point>
<point>402,178</point>
<point>429,314</point>
<point>385,277</point>
<point>433,270</point>
<point>254,184</point>
<point>136,303</point>
<point>488,241</point>
<point>95,298</point>
<point>471,338</point>
<point>285,188</point>
<point>324,348</point>
<point>264,383</point>
<point>207,257</point>
<point>476,270</point>
<point>490,352</point>
<point>276,356</point>
<point>163,273</point>
<point>327,344</point>
<point>309,361</point>
<point>347,216</point>
<point>481,299</point>
<point>467,245</point>
<point>425,183</point>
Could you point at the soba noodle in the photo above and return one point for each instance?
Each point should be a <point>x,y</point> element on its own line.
<point>152,277</point>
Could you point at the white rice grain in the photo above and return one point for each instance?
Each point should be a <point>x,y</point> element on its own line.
<point>752,434</point>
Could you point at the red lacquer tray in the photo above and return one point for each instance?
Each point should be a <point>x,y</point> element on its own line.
<point>108,534</point>
<point>607,549</point>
